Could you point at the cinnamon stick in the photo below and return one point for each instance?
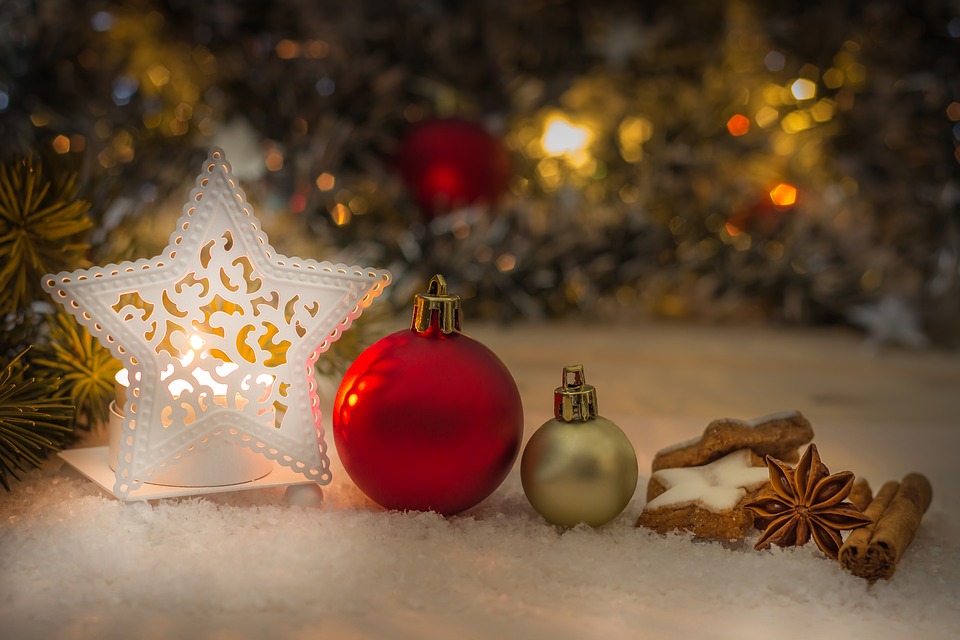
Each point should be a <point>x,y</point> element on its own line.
<point>861,494</point>
<point>873,552</point>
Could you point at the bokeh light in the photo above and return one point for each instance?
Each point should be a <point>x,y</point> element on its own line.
<point>738,125</point>
<point>633,132</point>
<point>784,195</point>
<point>61,144</point>
<point>803,89</point>
<point>326,181</point>
<point>564,138</point>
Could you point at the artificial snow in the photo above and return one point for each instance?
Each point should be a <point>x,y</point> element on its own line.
<point>78,564</point>
<point>247,565</point>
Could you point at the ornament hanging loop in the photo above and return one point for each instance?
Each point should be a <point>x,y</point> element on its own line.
<point>575,400</point>
<point>437,286</point>
<point>446,306</point>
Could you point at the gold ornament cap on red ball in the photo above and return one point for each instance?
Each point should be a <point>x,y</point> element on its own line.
<point>579,466</point>
<point>436,300</point>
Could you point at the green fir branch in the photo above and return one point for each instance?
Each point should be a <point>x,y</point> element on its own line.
<point>34,420</point>
<point>41,228</point>
<point>84,367</point>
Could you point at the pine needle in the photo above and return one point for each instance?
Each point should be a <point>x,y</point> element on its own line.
<point>41,224</point>
<point>86,370</point>
<point>34,421</point>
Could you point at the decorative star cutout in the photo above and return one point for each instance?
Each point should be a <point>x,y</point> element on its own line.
<point>219,334</point>
<point>717,486</point>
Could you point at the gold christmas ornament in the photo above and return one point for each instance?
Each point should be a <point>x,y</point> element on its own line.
<point>578,467</point>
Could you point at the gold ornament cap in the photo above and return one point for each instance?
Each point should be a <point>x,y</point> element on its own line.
<point>575,400</point>
<point>436,299</point>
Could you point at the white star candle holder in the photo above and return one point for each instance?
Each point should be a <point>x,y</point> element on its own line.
<point>218,335</point>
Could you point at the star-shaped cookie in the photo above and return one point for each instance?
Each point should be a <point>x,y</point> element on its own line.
<point>705,500</point>
<point>717,486</point>
<point>219,334</point>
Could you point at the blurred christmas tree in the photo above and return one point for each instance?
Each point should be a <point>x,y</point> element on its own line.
<point>723,161</point>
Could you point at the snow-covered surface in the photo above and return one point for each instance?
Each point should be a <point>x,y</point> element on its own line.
<point>77,564</point>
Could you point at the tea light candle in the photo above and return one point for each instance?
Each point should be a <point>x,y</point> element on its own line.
<point>214,463</point>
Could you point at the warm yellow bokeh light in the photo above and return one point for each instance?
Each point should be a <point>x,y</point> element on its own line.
<point>549,173</point>
<point>358,205</point>
<point>833,78</point>
<point>159,75</point>
<point>506,262</point>
<point>856,72</point>
<point>767,116</point>
<point>823,110</point>
<point>287,49</point>
<point>178,127</point>
<point>326,181</point>
<point>783,195</point>
<point>61,144</point>
<point>633,132</point>
<point>274,160</point>
<point>796,121</point>
<point>340,215</point>
<point>775,95</point>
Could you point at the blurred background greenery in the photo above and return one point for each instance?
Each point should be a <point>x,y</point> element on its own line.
<point>734,161</point>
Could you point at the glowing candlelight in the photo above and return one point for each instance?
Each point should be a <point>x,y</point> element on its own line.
<point>202,377</point>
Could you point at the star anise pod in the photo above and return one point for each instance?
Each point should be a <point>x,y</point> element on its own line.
<point>806,500</point>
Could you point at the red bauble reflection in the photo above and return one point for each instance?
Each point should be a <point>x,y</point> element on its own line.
<point>428,421</point>
<point>450,163</point>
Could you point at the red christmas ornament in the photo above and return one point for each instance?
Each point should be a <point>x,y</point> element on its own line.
<point>428,419</point>
<point>449,163</point>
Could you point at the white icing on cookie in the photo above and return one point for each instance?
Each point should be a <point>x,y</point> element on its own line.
<point>717,486</point>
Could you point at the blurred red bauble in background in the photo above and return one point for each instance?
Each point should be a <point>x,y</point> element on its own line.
<point>453,163</point>
<point>428,419</point>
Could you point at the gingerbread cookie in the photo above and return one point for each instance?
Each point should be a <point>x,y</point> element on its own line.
<point>778,435</point>
<point>706,500</point>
